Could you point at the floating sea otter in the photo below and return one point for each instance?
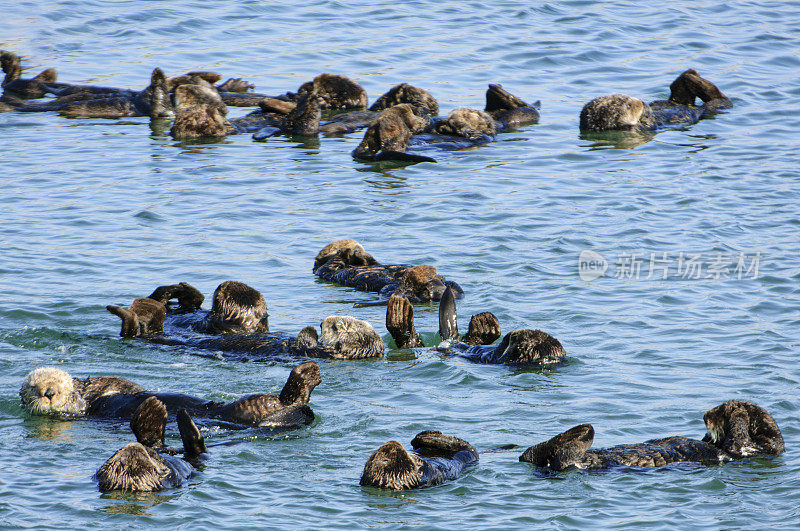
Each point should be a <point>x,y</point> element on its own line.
<point>736,429</point>
<point>620,112</point>
<point>522,346</point>
<point>389,135</point>
<point>53,392</point>
<point>239,317</point>
<point>148,465</point>
<point>346,262</point>
<point>436,458</point>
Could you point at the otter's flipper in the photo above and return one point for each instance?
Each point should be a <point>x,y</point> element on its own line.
<point>402,157</point>
<point>484,329</point>
<point>189,297</point>
<point>289,417</point>
<point>149,421</point>
<point>143,317</point>
<point>130,323</point>
<point>436,444</point>
<point>448,325</point>
<point>193,443</point>
<point>400,323</point>
<point>562,451</point>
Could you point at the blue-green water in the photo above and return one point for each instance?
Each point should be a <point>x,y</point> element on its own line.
<point>98,212</point>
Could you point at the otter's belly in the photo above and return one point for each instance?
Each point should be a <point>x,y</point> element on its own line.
<point>655,453</point>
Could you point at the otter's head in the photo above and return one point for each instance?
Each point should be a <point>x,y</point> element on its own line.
<point>336,92</point>
<point>616,112</point>
<point>349,252</point>
<point>421,284</point>
<point>562,451</point>
<point>392,467</point>
<point>302,380</point>
<point>238,308</point>
<point>190,95</point>
<point>405,93</point>
<point>469,123</point>
<point>133,468</point>
<point>51,391</point>
<point>530,346</point>
<point>742,428</point>
<point>345,337</point>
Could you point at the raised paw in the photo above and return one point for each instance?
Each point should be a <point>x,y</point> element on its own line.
<point>484,329</point>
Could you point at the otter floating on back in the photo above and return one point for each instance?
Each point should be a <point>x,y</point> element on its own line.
<point>736,429</point>
<point>436,458</point>
<point>346,262</point>
<point>50,391</point>
<point>621,112</point>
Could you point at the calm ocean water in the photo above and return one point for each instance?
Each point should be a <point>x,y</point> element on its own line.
<point>102,211</point>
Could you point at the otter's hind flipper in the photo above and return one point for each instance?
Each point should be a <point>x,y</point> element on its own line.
<point>143,317</point>
<point>193,443</point>
<point>562,451</point>
<point>149,421</point>
<point>436,444</point>
<point>189,297</point>
<point>130,323</point>
<point>484,329</point>
<point>448,325</point>
<point>291,416</point>
<point>400,322</point>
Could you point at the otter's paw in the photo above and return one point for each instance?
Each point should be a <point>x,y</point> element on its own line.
<point>400,322</point>
<point>484,329</point>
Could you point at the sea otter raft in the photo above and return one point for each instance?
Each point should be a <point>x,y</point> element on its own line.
<point>621,112</point>
<point>736,429</point>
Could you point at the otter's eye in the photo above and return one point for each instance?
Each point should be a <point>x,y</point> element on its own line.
<point>628,106</point>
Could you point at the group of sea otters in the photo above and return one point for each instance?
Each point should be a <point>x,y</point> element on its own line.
<point>237,324</point>
<point>401,125</point>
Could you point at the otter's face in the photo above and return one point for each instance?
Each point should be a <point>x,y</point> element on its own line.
<point>50,391</point>
<point>742,428</point>
<point>346,337</point>
<point>530,346</point>
<point>392,467</point>
<point>132,468</point>
<point>616,112</point>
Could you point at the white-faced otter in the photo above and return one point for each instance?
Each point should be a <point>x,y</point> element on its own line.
<point>736,429</point>
<point>522,346</point>
<point>620,112</point>
<point>436,458</point>
<point>147,465</point>
<point>346,262</point>
<point>48,391</point>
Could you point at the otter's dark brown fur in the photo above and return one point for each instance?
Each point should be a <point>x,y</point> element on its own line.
<point>736,429</point>
<point>391,131</point>
<point>436,458</point>
<point>405,93</point>
<point>199,121</point>
<point>621,112</point>
<point>336,92</point>
<point>32,88</point>
<point>346,262</point>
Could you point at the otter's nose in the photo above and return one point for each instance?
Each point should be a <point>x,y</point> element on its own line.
<point>50,392</point>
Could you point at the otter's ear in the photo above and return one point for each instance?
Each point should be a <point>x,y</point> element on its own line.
<point>130,322</point>
<point>448,326</point>
<point>562,451</point>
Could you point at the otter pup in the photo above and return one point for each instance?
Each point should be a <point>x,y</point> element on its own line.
<point>436,458</point>
<point>346,262</point>
<point>621,112</point>
<point>522,346</point>
<point>736,429</point>
<point>147,465</point>
<point>53,392</point>
<point>388,135</point>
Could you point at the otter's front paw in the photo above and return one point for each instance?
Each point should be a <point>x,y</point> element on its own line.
<point>484,329</point>
<point>400,322</point>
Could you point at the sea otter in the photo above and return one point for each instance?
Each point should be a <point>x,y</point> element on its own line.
<point>621,112</point>
<point>522,346</point>
<point>736,429</point>
<point>238,319</point>
<point>346,262</point>
<point>23,88</point>
<point>436,458</point>
<point>147,465</point>
<point>49,391</point>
